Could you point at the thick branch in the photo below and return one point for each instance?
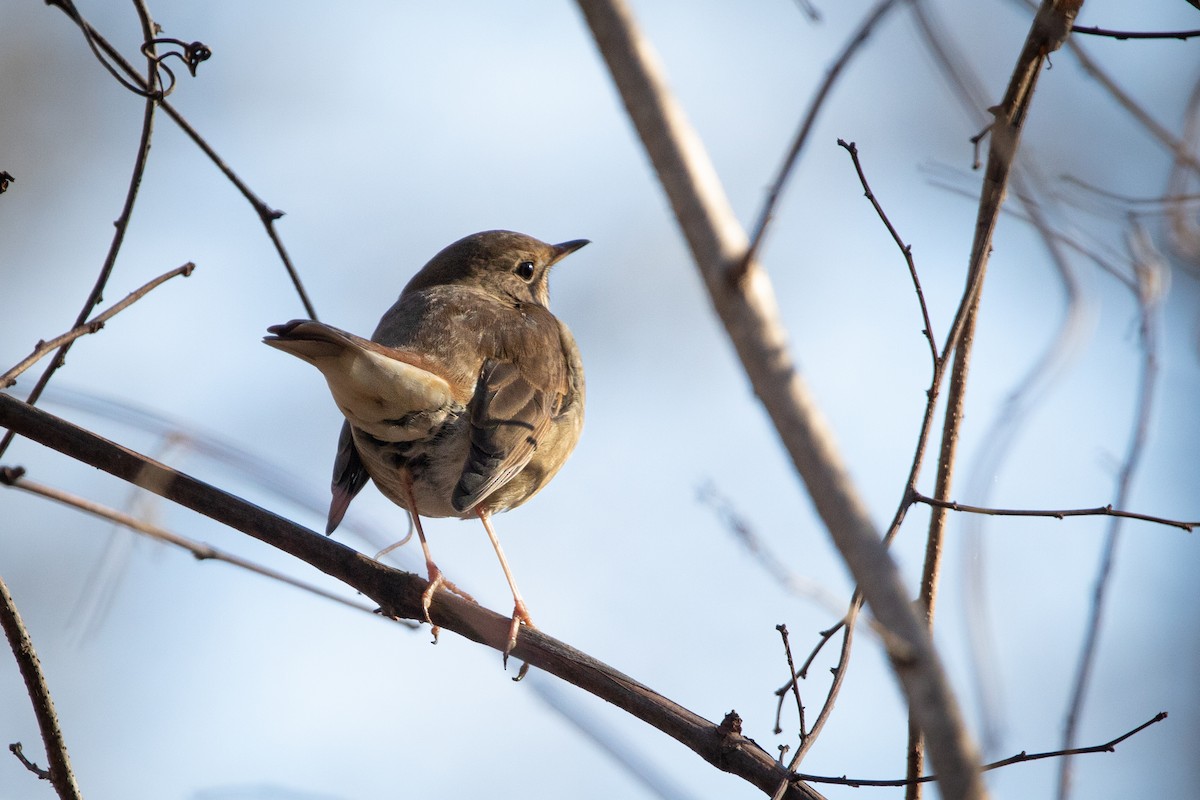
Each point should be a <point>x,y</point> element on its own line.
<point>749,312</point>
<point>399,594</point>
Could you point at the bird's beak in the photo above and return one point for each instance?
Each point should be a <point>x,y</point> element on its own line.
<point>565,249</point>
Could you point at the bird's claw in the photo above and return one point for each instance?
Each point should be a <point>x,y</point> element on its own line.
<point>520,614</point>
<point>436,580</point>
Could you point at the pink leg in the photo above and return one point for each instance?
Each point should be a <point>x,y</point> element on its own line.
<point>436,579</point>
<point>520,611</point>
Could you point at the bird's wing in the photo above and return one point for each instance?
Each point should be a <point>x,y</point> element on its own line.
<point>349,477</point>
<point>510,413</point>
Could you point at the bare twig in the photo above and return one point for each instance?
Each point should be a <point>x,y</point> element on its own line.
<point>751,317</point>
<point>806,125</point>
<point>18,750</point>
<point>15,477</point>
<point>795,688</point>
<point>1095,31</point>
<point>59,772</point>
<point>122,223</point>
<point>91,326</point>
<point>1056,513</point>
<point>1019,758</point>
<point>399,594</point>
<point>905,249</point>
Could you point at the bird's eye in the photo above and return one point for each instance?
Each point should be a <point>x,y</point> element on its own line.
<point>524,270</point>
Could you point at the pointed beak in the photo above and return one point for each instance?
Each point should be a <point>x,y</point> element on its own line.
<point>565,249</point>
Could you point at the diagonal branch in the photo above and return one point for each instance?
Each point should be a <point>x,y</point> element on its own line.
<point>399,594</point>
<point>750,314</point>
<point>91,326</point>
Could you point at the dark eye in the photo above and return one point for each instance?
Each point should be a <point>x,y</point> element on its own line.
<point>524,270</point>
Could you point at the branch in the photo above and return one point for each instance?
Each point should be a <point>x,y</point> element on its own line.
<point>59,773</point>
<point>399,595</point>
<point>751,317</point>
<point>1056,513</point>
<point>91,326</point>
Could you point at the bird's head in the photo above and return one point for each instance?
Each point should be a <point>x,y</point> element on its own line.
<point>503,263</point>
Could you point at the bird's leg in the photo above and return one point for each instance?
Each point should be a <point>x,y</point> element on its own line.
<point>520,611</point>
<point>436,579</point>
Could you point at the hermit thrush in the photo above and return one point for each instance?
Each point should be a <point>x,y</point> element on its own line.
<point>469,396</point>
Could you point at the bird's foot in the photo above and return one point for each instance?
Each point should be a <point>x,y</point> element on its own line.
<point>520,615</point>
<point>436,580</point>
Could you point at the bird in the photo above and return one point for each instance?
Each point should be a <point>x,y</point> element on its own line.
<point>466,400</point>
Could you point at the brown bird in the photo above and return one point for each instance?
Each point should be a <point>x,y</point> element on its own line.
<point>467,399</point>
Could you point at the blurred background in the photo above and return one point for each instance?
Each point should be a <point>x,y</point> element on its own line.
<point>388,129</point>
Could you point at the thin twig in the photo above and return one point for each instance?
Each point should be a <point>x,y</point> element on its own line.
<point>1019,758</point>
<point>15,477</point>
<point>18,750</point>
<point>122,223</point>
<point>857,40</point>
<point>399,594</point>
<point>905,249</point>
<point>91,326</point>
<point>1056,513</point>
<point>59,771</point>
<point>1094,31</point>
<point>795,688</point>
<point>840,670</point>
